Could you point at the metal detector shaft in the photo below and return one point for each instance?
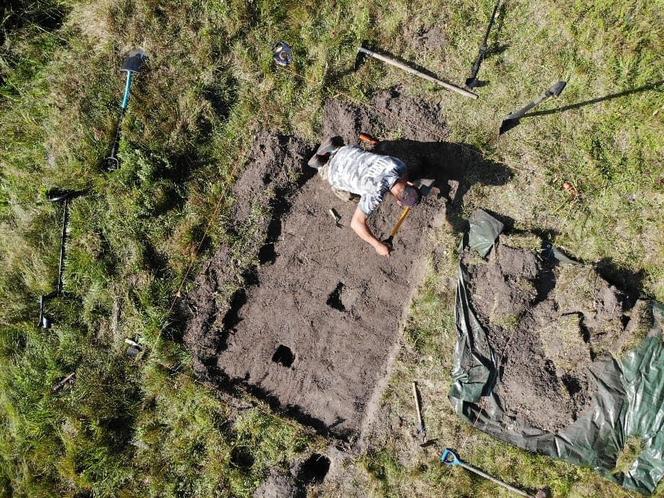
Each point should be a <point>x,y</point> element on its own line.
<point>483,47</point>
<point>63,240</point>
<point>420,74</point>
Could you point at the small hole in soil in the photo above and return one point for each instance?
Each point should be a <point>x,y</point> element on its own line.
<point>571,384</point>
<point>334,299</point>
<point>241,457</point>
<point>314,469</point>
<point>283,356</point>
<point>267,254</point>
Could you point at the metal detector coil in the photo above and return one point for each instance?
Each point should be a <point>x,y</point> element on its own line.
<point>283,54</point>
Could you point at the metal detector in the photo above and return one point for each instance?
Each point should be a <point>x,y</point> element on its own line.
<point>472,81</point>
<point>133,64</point>
<point>63,196</point>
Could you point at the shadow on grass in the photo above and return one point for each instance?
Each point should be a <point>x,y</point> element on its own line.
<point>645,88</point>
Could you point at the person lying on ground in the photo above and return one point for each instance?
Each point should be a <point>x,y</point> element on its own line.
<point>352,170</point>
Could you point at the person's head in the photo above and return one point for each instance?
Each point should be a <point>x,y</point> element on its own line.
<point>405,193</point>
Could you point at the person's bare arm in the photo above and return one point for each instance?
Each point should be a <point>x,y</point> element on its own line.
<point>359,225</point>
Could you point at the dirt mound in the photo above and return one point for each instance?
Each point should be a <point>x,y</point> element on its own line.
<point>388,111</point>
<point>547,322</point>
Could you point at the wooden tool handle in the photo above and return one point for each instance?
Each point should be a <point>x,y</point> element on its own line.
<point>410,70</point>
<point>397,226</point>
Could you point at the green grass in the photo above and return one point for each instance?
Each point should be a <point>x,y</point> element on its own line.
<point>145,427</point>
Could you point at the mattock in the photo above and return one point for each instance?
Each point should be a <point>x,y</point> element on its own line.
<point>424,187</point>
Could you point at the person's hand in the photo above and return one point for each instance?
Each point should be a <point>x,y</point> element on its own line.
<point>383,249</point>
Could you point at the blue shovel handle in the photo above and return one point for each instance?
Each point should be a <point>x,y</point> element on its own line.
<point>449,457</point>
<point>127,92</point>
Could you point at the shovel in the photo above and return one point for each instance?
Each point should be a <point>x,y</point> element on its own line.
<point>133,64</point>
<point>513,118</point>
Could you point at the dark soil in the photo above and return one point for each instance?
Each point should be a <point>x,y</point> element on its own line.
<point>314,469</point>
<point>313,328</point>
<point>547,323</point>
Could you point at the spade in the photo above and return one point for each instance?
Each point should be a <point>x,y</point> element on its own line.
<point>513,118</point>
<point>133,64</point>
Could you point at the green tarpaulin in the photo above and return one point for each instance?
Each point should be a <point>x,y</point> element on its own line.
<point>629,400</point>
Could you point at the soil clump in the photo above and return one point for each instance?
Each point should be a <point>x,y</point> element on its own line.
<point>547,322</point>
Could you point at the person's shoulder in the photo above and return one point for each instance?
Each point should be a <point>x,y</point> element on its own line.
<point>397,165</point>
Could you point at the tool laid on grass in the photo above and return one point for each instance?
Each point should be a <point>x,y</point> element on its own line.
<point>283,53</point>
<point>513,118</point>
<point>421,430</point>
<point>423,185</point>
<point>472,81</point>
<point>363,52</point>
<point>63,196</point>
<point>451,459</point>
<point>132,65</point>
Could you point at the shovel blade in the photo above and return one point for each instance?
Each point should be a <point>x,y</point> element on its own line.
<point>507,125</point>
<point>135,61</point>
<point>557,89</point>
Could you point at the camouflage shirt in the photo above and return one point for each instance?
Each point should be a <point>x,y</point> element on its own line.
<point>363,173</point>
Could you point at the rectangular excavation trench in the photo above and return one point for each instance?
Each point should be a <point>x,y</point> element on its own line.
<point>320,326</point>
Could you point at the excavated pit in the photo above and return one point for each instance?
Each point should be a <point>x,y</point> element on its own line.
<point>547,322</point>
<point>313,327</point>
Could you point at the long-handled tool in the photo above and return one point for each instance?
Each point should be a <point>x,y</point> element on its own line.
<point>63,196</point>
<point>450,458</point>
<point>472,81</point>
<point>133,64</point>
<point>362,52</point>
<point>424,186</point>
<point>421,430</point>
<point>404,214</point>
<point>513,118</point>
